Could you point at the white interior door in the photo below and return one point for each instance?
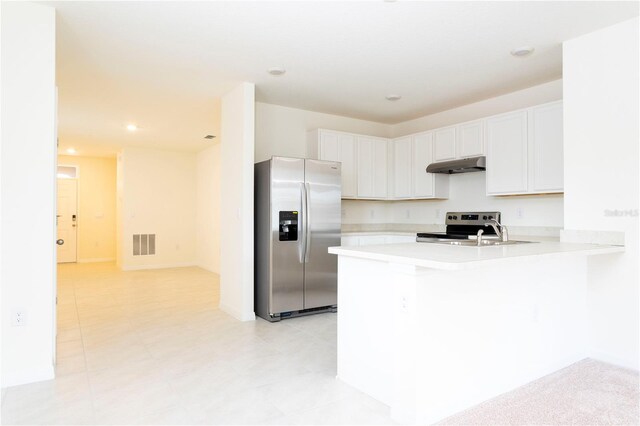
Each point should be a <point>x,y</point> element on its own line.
<point>67,220</point>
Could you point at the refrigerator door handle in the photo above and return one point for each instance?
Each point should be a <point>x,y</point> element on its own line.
<point>307,226</point>
<point>302,221</point>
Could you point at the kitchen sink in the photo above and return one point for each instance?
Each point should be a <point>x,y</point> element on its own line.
<point>484,243</point>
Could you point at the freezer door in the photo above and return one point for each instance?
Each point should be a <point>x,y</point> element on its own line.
<point>287,243</point>
<point>322,181</point>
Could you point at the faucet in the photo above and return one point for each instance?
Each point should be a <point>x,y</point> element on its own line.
<point>479,240</point>
<point>501,231</point>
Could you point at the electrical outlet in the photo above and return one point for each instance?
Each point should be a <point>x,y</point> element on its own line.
<point>519,213</point>
<point>407,214</point>
<point>19,318</point>
<point>372,214</point>
<point>438,214</point>
<point>344,213</point>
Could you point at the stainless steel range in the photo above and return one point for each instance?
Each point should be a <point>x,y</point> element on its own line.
<point>463,226</point>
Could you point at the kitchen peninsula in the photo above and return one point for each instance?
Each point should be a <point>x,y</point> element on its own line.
<point>433,329</point>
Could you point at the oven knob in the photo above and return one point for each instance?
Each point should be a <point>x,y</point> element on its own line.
<point>490,217</point>
<point>484,217</point>
<point>450,217</point>
<point>455,218</point>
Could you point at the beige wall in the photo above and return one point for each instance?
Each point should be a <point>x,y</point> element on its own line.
<point>96,207</point>
<point>535,95</point>
<point>157,195</point>
<point>283,131</point>
<point>208,209</point>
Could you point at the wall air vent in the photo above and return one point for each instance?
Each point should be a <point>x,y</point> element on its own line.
<point>209,137</point>
<point>144,244</point>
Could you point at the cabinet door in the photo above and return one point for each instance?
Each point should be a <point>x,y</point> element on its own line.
<point>329,148</point>
<point>380,168</point>
<point>402,167</point>
<point>444,144</point>
<point>545,139</point>
<point>372,167</point>
<point>470,139</point>
<point>422,157</point>
<point>366,149</point>
<point>369,240</point>
<point>347,156</point>
<point>349,240</point>
<point>507,154</point>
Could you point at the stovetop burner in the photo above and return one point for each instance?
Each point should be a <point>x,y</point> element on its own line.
<point>443,235</point>
<point>462,226</point>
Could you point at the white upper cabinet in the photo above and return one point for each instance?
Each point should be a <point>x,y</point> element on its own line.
<point>460,141</point>
<point>411,156</point>
<point>524,151</point>
<point>470,139</point>
<point>372,167</point>
<point>444,144</point>
<point>337,146</point>
<point>545,145</point>
<point>423,182</point>
<point>402,167</point>
<point>507,153</point>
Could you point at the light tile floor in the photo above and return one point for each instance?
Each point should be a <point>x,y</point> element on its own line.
<point>151,347</point>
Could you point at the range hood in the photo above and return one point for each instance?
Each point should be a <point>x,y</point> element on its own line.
<point>464,165</point>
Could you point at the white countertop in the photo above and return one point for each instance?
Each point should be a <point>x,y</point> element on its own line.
<point>442,256</point>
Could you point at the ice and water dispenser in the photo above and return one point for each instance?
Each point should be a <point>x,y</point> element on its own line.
<point>288,226</point>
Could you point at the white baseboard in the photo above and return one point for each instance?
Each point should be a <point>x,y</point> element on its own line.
<point>15,378</point>
<point>237,314</point>
<point>97,259</point>
<point>160,266</point>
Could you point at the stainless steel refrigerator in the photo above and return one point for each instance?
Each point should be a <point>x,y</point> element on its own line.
<point>297,218</point>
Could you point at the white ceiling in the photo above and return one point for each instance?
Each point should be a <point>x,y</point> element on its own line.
<point>164,65</point>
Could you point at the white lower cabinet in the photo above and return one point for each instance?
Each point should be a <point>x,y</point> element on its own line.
<point>349,240</point>
<point>369,240</point>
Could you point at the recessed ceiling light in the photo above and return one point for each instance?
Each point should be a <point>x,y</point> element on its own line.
<point>393,97</point>
<point>522,51</point>
<point>277,71</point>
<point>71,151</point>
<point>209,137</point>
<point>132,127</point>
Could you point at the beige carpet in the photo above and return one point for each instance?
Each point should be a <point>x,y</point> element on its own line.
<point>586,393</point>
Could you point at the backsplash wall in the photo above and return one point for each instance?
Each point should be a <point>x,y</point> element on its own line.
<point>467,192</point>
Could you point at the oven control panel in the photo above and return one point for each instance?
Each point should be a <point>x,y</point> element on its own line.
<point>472,218</point>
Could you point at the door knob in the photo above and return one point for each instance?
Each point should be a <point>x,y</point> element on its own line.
<point>60,242</point>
